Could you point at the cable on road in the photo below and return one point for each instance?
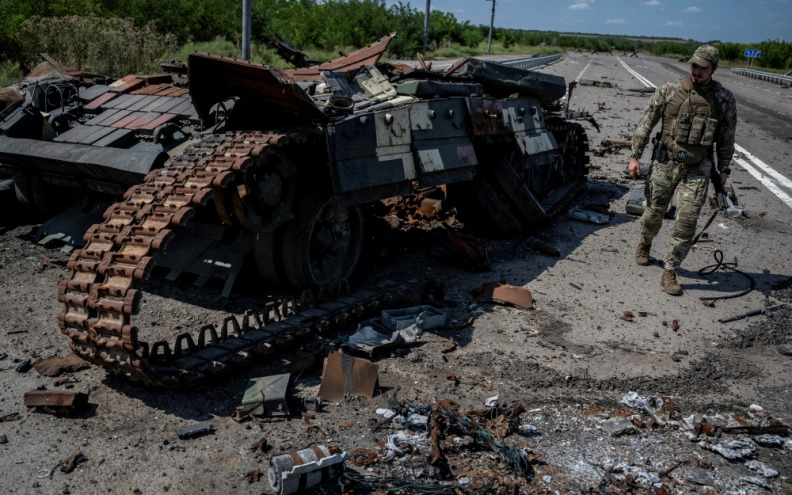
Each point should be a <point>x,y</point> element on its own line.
<point>718,254</point>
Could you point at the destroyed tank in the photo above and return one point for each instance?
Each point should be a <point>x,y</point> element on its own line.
<point>281,164</point>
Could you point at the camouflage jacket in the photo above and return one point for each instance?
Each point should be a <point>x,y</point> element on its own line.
<point>724,135</point>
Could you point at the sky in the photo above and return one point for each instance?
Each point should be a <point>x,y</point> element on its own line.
<point>739,21</point>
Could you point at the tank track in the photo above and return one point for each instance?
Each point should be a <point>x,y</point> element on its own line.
<point>101,294</point>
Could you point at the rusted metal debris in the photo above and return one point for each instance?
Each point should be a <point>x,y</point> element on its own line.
<point>71,463</point>
<point>591,82</point>
<point>506,294</point>
<point>368,55</point>
<point>475,256</point>
<point>347,375</point>
<point>259,446</point>
<point>253,476</point>
<point>542,247</point>
<point>56,402</point>
<point>56,365</point>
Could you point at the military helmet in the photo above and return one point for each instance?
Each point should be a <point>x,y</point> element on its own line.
<point>705,55</point>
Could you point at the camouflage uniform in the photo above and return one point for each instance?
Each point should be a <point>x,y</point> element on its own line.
<point>688,180</point>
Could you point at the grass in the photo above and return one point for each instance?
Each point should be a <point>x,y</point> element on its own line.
<point>258,53</point>
<point>10,73</point>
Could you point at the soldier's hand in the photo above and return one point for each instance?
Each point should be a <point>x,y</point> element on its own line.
<point>724,177</point>
<point>634,168</point>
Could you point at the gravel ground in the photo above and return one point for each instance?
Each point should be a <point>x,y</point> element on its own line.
<point>590,398</point>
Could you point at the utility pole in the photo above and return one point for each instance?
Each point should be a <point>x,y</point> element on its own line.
<point>246,29</point>
<point>426,25</point>
<point>492,22</point>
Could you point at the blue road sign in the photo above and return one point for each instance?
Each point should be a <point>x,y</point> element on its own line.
<point>751,53</point>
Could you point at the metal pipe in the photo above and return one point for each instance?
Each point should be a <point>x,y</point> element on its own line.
<point>492,22</point>
<point>426,25</point>
<point>246,29</point>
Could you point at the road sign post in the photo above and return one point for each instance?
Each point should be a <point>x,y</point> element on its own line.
<point>751,53</point>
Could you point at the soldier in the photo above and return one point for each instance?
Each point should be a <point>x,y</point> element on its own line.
<point>699,119</point>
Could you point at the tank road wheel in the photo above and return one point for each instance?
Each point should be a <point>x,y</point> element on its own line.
<point>322,245</point>
<point>46,200</point>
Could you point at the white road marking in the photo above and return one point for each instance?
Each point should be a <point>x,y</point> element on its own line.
<point>585,68</point>
<point>750,162</point>
<point>646,82</point>
<point>783,181</point>
<point>769,184</point>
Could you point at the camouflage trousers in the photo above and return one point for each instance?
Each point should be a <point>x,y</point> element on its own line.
<point>689,182</point>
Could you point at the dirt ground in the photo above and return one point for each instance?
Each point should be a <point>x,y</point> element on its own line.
<point>607,386</point>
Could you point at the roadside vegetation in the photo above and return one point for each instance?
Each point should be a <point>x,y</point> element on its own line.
<point>134,36</point>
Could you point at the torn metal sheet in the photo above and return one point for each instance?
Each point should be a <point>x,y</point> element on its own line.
<point>344,374</point>
<point>368,55</point>
<point>56,365</point>
<point>502,293</point>
<point>368,339</point>
<point>266,396</point>
<point>425,316</point>
<point>56,402</point>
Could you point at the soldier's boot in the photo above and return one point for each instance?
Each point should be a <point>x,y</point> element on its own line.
<point>642,254</point>
<point>670,283</point>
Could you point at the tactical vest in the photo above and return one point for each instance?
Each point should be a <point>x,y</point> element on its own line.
<point>689,123</point>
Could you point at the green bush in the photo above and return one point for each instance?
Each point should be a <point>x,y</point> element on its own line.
<point>105,46</point>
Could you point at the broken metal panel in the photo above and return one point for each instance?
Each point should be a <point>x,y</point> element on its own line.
<point>502,81</point>
<point>346,375</point>
<point>55,400</point>
<point>214,78</point>
<point>368,55</point>
<point>501,293</point>
<point>266,396</point>
<point>124,167</point>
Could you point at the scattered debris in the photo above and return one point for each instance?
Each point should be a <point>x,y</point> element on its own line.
<point>196,430</point>
<point>56,402</point>
<point>766,310</point>
<point>602,84</point>
<point>369,339</point>
<point>503,293</point>
<point>313,403</point>
<point>618,426</point>
<point>542,247</point>
<point>733,450</point>
<point>659,408</point>
<point>761,468</point>
<point>9,417</point>
<point>253,476</point>
<point>344,374</point>
<point>266,396</point>
<point>474,257</point>
<point>397,319</point>
<point>71,463</point>
<point>24,366</point>
<point>588,216</point>
<point>56,365</point>
<point>259,446</point>
<point>297,471</point>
